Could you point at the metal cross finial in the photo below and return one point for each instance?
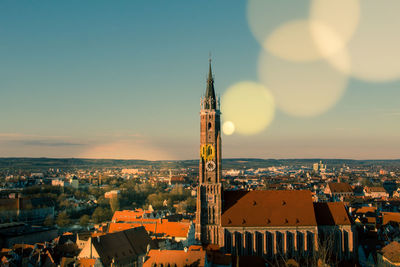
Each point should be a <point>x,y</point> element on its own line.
<point>209,56</point>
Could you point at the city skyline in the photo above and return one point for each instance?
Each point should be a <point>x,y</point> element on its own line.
<point>124,81</point>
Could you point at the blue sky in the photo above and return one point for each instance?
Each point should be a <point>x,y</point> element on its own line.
<point>123,79</point>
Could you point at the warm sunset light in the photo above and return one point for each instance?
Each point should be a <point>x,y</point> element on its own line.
<point>75,83</point>
<point>248,106</point>
<point>256,133</point>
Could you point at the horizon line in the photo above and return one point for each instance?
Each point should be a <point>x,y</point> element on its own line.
<point>234,158</point>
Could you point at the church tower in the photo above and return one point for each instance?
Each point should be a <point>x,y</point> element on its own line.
<point>208,214</point>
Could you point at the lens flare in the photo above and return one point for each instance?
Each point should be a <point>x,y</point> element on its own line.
<point>302,89</point>
<point>294,41</point>
<point>374,49</point>
<point>228,128</point>
<point>263,16</point>
<point>334,23</point>
<point>249,106</point>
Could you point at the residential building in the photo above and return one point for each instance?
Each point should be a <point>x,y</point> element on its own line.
<point>338,190</point>
<point>375,192</point>
<point>124,248</point>
<point>389,255</point>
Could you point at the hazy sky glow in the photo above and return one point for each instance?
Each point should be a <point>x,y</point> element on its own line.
<point>123,79</point>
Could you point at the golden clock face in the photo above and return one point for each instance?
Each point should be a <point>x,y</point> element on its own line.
<point>207,152</point>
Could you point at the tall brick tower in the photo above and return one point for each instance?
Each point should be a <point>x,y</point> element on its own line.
<point>208,214</point>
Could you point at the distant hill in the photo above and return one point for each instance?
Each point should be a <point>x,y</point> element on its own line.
<point>72,163</point>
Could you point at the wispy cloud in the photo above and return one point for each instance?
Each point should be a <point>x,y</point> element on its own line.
<point>37,140</point>
<point>21,136</point>
<point>48,143</point>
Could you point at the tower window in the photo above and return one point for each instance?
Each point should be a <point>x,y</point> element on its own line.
<point>209,126</point>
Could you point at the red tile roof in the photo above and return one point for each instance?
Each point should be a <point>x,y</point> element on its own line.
<point>392,252</point>
<point>163,227</point>
<point>340,187</point>
<point>177,258</point>
<point>375,189</point>
<point>390,217</point>
<point>331,213</point>
<point>127,215</point>
<point>268,208</point>
<point>363,210</point>
<point>86,262</point>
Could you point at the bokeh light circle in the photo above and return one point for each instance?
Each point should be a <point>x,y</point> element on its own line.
<point>264,16</point>
<point>228,128</point>
<point>334,23</point>
<point>302,89</point>
<point>374,48</point>
<point>249,106</point>
<point>294,41</point>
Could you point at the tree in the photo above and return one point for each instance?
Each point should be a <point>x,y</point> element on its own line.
<point>156,200</point>
<point>191,204</point>
<point>63,219</point>
<point>49,221</point>
<point>101,214</point>
<point>84,220</point>
<point>114,204</point>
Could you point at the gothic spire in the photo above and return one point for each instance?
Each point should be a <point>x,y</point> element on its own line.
<point>210,93</point>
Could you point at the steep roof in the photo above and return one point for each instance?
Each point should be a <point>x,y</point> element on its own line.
<point>268,208</point>
<point>86,262</point>
<point>375,189</point>
<point>122,246</point>
<point>392,252</point>
<point>179,258</point>
<point>127,215</point>
<point>365,209</point>
<point>332,213</point>
<point>390,217</point>
<point>340,187</point>
<point>210,92</point>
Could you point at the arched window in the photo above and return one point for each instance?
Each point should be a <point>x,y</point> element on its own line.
<point>289,243</point>
<point>279,243</point>
<point>213,214</point>
<point>249,243</point>
<point>269,244</point>
<point>346,242</point>
<point>310,242</point>
<point>228,242</point>
<point>259,244</point>
<point>238,243</point>
<point>300,242</point>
